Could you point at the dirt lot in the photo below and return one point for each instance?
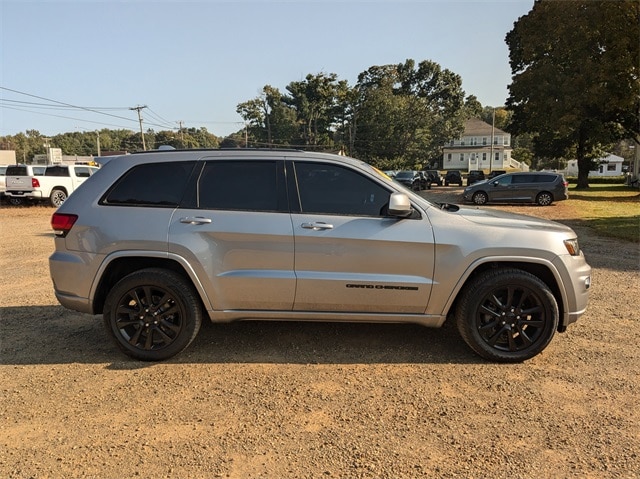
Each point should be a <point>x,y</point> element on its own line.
<point>295,400</point>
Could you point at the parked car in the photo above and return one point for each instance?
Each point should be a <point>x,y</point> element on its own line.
<point>3,183</point>
<point>495,173</point>
<point>414,180</point>
<point>20,180</point>
<point>475,176</point>
<point>156,241</point>
<point>542,188</point>
<point>54,184</point>
<point>434,177</point>
<point>453,177</point>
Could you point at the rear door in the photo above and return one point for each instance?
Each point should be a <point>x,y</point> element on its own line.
<point>236,232</point>
<point>349,255</point>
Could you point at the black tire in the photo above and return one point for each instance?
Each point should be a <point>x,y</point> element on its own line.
<point>480,198</point>
<point>544,198</point>
<point>57,197</point>
<point>507,315</point>
<point>152,314</point>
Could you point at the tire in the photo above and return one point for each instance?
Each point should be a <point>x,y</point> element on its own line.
<point>480,198</point>
<point>544,199</point>
<point>152,314</point>
<point>507,315</point>
<point>57,197</point>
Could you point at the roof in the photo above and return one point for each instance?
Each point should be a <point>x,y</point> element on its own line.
<point>477,127</point>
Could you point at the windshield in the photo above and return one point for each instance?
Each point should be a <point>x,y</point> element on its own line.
<point>405,174</point>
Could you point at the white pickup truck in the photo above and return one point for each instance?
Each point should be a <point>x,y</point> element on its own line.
<point>54,184</point>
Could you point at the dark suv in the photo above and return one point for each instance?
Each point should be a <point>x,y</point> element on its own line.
<point>453,177</point>
<point>158,241</point>
<point>542,188</point>
<point>475,176</point>
<point>434,177</point>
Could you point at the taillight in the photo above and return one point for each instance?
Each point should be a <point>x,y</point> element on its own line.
<point>62,223</point>
<point>35,183</point>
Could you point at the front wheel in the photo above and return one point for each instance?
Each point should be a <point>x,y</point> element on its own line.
<point>480,198</point>
<point>57,197</point>
<point>507,315</point>
<point>152,314</point>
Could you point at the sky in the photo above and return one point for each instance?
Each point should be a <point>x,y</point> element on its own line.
<point>82,65</point>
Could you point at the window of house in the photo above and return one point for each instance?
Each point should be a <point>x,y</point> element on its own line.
<point>484,157</point>
<point>497,157</point>
<point>448,156</point>
<point>461,156</point>
<point>611,167</point>
<point>484,140</point>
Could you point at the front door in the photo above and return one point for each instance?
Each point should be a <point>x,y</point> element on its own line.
<point>349,255</point>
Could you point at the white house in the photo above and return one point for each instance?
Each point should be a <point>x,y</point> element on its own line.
<point>481,147</point>
<point>610,165</point>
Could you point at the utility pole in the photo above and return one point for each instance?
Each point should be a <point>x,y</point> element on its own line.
<point>493,129</point>
<point>139,109</point>
<point>181,133</point>
<point>98,141</point>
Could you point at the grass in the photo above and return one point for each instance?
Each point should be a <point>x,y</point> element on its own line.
<point>611,210</point>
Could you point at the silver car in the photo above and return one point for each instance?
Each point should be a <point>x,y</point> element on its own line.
<point>157,241</point>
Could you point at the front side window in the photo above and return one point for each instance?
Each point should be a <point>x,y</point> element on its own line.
<point>504,181</point>
<point>333,189</point>
<point>242,185</point>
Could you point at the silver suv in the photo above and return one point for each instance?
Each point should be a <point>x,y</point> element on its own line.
<point>156,241</point>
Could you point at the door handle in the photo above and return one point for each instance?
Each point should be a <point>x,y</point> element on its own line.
<point>317,226</point>
<point>195,220</point>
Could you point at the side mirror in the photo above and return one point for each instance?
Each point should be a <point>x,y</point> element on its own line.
<point>399,205</point>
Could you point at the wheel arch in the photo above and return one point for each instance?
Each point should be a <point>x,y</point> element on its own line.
<point>115,268</point>
<point>545,271</point>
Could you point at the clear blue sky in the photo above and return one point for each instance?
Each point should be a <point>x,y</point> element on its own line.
<point>195,61</point>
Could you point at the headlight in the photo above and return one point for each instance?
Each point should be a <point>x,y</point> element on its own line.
<point>572,246</point>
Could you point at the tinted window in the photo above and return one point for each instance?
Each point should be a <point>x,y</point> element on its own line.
<point>334,189</point>
<point>56,171</point>
<point>82,171</point>
<point>523,179</point>
<point>151,184</point>
<point>545,178</point>
<point>17,171</point>
<point>242,185</point>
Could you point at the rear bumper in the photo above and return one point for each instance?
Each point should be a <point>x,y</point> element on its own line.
<point>35,195</point>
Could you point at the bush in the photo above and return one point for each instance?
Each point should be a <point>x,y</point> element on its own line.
<point>600,180</point>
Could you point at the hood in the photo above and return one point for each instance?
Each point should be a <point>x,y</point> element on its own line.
<point>506,219</point>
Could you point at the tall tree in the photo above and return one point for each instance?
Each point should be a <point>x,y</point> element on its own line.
<point>408,111</point>
<point>576,77</point>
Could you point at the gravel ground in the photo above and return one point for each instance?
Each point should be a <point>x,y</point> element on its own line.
<point>296,400</point>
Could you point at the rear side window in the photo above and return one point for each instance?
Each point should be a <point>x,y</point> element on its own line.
<point>545,178</point>
<point>242,185</point>
<point>57,171</point>
<point>519,179</point>
<point>151,184</point>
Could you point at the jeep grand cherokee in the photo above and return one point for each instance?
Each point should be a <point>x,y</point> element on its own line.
<point>157,241</point>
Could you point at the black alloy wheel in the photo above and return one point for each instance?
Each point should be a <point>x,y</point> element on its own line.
<point>507,315</point>
<point>152,314</point>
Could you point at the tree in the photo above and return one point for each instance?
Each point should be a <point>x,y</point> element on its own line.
<point>576,77</point>
<point>408,111</point>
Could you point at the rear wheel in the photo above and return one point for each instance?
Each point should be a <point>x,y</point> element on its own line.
<point>152,314</point>
<point>507,315</point>
<point>57,197</point>
<point>544,199</point>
